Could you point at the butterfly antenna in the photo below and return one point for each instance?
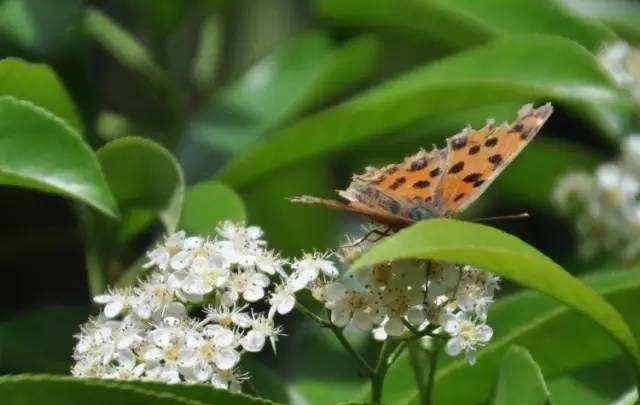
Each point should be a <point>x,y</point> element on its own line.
<point>521,215</point>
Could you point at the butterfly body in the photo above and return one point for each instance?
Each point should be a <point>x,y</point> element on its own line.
<point>441,182</point>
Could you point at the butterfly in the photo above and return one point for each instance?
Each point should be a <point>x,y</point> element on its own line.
<point>441,182</point>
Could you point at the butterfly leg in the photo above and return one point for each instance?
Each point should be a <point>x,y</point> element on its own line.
<point>379,233</point>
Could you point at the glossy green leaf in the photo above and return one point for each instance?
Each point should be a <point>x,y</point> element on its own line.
<point>462,23</point>
<point>40,85</point>
<point>21,345</point>
<point>54,390</point>
<point>621,15</point>
<point>535,321</point>
<point>521,380</point>
<point>40,151</point>
<point>147,183</point>
<point>144,175</point>
<point>533,68</point>
<point>504,254</point>
<point>208,203</point>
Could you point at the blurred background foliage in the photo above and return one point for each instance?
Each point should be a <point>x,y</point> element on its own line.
<point>142,116</point>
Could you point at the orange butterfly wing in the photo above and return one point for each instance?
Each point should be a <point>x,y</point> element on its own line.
<point>475,160</point>
<point>406,189</point>
<point>443,181</point>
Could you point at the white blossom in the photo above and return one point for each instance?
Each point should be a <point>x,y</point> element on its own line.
<point>115,301</point>
<point>622,62</point>
<point>309,267</point>
<point>466,335</point>
<point>146,332</point>
<point>400,298</point>
<point>262,329</point>
<point>605,204</point>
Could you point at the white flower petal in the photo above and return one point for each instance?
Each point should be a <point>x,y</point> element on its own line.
<point>286,304</point>
<point>253,293</point>
<point>113,308</point>
<point>253,341</point>
<point>340,316</point>
<point>226,358</point>
<point>454,346</point>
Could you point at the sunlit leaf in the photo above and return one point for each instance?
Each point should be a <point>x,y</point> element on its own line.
<point>461,23</point>
<point>40,151</point>
<point>40,85</point>
<point>621,15</point>
<point>533,68</point>
<point>493,250</point>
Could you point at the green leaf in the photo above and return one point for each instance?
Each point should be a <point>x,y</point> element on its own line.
<point>123,46</point>
<point>520,380</point>
<point>144,175</point>
<point>504,254</point>
<point>463,23</point>
<point>40,85</point>
<point>284,83</point>
<point>147,183</point>
<point>602,383</point>
<point>621,15</point>
<point>40,151</point>
<point>206,204</point>
<point>51,390</point>
<point>303,73</point>
<point>21,344</point>
<point>529,68</point>
<point>527,319</point>
<point>205,63</point>
<point>54,390</point>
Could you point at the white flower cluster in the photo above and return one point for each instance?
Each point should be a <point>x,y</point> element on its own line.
<point>605,204</point>
<point>623,64</point>
<point>410,296</point>
<point>194,315</point>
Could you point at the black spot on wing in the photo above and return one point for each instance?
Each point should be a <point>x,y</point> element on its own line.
<point>491,142</point>
<point>421,184</point>
<point>457,167</point>
<point>435,172</point>
<point>472,178</point>
<point>397,183</point>
<point>495,159</point>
